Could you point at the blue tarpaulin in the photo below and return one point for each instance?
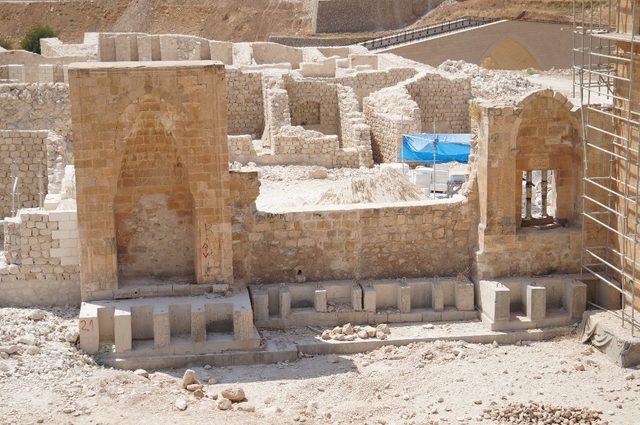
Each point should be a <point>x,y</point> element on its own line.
<point>447,148</point>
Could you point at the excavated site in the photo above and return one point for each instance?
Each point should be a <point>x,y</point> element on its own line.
<point>205,231</point>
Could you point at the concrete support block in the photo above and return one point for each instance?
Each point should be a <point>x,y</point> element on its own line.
<point>536,302</point>
<point>243,324</point>
<point>404,299</point>
<point>369,297</point>
<point>320,300</point>
<point>198,323</point>
<point>122,329</point>
<point>464,296</point>
<point>89,329</point>
<point>437,297</point>
<point>356,298</point>
<point>161,326</point>
<point>260,299</point>
<point>575,299</point>
<point>285,302</point>
<point>494,301</point>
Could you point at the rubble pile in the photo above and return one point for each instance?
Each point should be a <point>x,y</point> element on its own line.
<point>351,333</point>
<point>491,84</point>
<point>537,413</point>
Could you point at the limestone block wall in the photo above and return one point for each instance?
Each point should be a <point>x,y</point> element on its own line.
<point>36,107</point>
<point>361,242</point>
<point>390,113</point>
<point>539,133</point>
<point>53,47</point>
<point>28,151</point>
<point>40,245</point>
<point>264,52</point>
<point>245,107</point>
<point>443,101</point>
<point>365,83</point>
<point>353,130</point>
<point>27,64</point>
<point>313,102</point>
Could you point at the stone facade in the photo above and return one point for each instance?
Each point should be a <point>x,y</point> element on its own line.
<point>540,133</point>
<point>122,186</point>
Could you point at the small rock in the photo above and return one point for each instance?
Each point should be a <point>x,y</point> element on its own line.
<point>194,387</point>
<point>347,329</point>
<point>181,404</point>
<point>33,350</point>
<point>428,326</point>
<point>579,367</point>
<point>207,366</point>
<point>141,372</point>
<point>198,393</point>
<point>72,337</point>
<point>9,349</point>
<point>245,407</point>
<point>371,331</point>
<point>384,328</point>
<point>224,404</point>
<point>337,330</point>
<point>234,394</point>
<point>37,315</point>
<point>188,378</point>
<point>332,358</point>
<point>630,377</point>
<point>28,339</point>
<point>380,335</point>
<point>318,173</point>
<point>212,381</point>
<point>477,402</point>
<point>495,344</point>
<point>362,334</point>
<point>326,335</point>
<point>351,337</point>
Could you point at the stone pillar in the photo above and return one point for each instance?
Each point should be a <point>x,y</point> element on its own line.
<point>122,329</point>
<point>285,302</point>
<point>243,324</point>
<point>464,296</point>
<point>198,323</point>
<point>260,299</point>
<point>320,300</point>
<point>369,296</point>
<point>356,297</point>
<point>437,297</point>
<point>536,302</point>
<point>161,326</point>
<point>89,329</point>
<point>404,299</point>
<point>575,299</point>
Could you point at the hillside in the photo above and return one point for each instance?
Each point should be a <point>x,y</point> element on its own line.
<point>236,20</point>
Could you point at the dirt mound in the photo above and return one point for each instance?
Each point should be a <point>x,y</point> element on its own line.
<point>235,20</point>
<point>386,186</point>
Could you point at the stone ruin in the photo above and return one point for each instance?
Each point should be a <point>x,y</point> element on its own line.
<point>128,204</point>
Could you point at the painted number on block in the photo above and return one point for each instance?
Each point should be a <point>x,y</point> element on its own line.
<point>86,325</point>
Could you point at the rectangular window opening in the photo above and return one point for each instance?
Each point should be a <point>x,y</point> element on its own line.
<point>538,198</point>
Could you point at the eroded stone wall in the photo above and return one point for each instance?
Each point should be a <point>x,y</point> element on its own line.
<point>354,242</point>
<point>245,108</point>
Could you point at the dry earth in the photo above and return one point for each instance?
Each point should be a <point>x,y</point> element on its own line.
<point>236,20</point>
<point>425,383</point>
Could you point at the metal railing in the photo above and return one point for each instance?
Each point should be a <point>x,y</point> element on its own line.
<point>426,32</point>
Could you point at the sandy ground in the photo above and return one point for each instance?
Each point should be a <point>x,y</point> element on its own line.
<point>418,384</point>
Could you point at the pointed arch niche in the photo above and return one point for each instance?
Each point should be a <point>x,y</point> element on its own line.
<point>152,175</point>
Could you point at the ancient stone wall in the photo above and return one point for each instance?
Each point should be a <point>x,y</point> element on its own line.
<point>345,242</point>
<point>540,133</point>
<point>28,151</point>
<point>41,245</point>
<point>245,108</point>
<point>36,107</point>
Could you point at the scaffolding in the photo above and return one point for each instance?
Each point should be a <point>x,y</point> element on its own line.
<point>603,58</point>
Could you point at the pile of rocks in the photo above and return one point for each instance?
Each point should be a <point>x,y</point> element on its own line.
<point>491,84</point>
<point>232,398</point>
<point>537,413</point>
<point>351,333</point>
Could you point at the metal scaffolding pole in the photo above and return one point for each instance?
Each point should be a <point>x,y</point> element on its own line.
<point>603,66</point>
